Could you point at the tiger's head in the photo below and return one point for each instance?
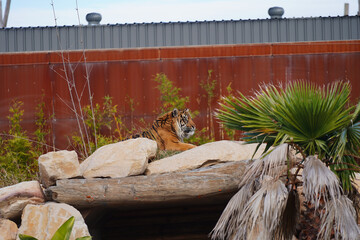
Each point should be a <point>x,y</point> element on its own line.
<point>183,123</point>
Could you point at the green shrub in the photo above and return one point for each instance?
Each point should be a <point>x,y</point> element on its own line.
<point>18,156</point>
<point>103,126</point>
<point>169,94</point>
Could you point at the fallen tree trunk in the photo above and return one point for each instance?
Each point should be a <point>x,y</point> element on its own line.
<point>204,183</point>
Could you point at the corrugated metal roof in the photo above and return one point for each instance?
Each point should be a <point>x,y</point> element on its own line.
<point>179,34</point>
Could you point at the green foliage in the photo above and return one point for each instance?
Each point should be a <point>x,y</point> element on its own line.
<point>18,155</point>
<point>63,232</point>
<point>200,137</point>
<point>170,95</point>
<point>317,120</point>
<point>230,133</point>
<point>103,125</point>
<point>42,128</point>
<point>160,154</point>
<point>209,86</point>
<point>170,98</point>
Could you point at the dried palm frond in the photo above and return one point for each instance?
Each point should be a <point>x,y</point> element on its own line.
<point>272,164</point>
<point>275,162</point>
<point>290,217</point>
<point>264,208</point>
<point>339,216</point>
<point>229,220</point>
<point>253,171</point>
<point>319,182</point>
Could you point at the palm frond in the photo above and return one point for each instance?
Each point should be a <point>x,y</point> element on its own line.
<point>229,220</point>
<point>290,217</point>
<point>319,182</point>
<point>264,208</point>
<point>275,162</point>
<point>339,216</point>
<point>252,172</point>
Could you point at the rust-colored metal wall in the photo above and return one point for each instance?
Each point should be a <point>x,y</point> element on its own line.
<point>129,73</point>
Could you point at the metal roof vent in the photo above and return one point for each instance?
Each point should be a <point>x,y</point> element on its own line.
<point>276,12</point>
<point>93,18</point>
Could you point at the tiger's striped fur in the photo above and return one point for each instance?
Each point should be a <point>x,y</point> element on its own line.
<point>170,129</point>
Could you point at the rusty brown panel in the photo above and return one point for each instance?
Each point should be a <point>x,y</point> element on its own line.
<point>99,82</point>
<point>172,69</point>
<point>183,52</point>
<point>118,84</point>
<point>197,52</point>
<point>216,51</point>
<point>134,87</point>
<point>252,50</point>
<point>280,68</point>
<point>61,97</point>
<point>152,94</point>
<point>225,75</point>
<point>24,58</point>
<point>122,54</point>
<point>318,73</point>
<point>101,55</point>
<point>243,70</point>
<point>63,130</point>
<point>24,83</point>
<point>189,81</point>
<point>316,47</point>
<point>336,66</point>
<point>353,75</point>
<point>299,67</point>
<point>261,71</point>
<point>205,65</point>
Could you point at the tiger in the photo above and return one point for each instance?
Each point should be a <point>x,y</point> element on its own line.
<point>169,130</point>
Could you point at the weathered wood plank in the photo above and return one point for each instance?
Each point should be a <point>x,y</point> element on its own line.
<point>143,190</point>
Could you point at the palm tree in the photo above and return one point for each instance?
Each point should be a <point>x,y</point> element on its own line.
<point>313,139</point>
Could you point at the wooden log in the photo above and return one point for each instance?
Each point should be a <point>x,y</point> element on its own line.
<point>203,183</point>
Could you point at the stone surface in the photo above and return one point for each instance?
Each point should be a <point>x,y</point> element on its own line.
<point>42,221</point>
<point>207,154</point>
<point>14,198</point>
<point>8,229</point>
<point>159,189</point>
<point>58,165</point>
<point>122,159</point>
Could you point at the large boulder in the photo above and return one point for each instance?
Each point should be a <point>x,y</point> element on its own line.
<point>58,165</point>
<point>8,229</point>
<point>122,159</point>
<point>14,198</point>
<point>207,154</point>
<point>42,221</point>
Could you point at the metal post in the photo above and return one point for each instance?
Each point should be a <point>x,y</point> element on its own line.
<point>346,9</point>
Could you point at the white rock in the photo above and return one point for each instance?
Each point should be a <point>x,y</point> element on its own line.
<point>14,198</point>
<point>58,165</point>
<point>122,159</point>
<point>8,229</point>
<point>207,154</point>
<point>42,221</point>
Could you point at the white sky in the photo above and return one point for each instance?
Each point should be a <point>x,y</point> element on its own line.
<point>24,13</point>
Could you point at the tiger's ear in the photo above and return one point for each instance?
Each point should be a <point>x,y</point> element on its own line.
<point>187,110</point>
<point>175,112</point>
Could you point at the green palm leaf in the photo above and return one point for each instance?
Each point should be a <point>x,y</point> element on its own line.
<point>64,231</point>
<point>320,120</point>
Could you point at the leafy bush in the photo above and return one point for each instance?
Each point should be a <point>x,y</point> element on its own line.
<point>169,94</point>
<point>171,98</point>
<point>18,154</point>
<point>104,126</point>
